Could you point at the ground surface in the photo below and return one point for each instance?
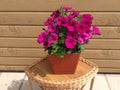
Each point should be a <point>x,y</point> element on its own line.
<point>19,81</point>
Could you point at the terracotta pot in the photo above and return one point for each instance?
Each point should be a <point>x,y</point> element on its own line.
<point>65,65</point>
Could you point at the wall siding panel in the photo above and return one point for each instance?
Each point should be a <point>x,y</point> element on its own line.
<point>32,43</point>
<point>50,5</point>
<point>37,18</point>
<point>33,31</point>
<point>36,52</point>
<point>21,22</point>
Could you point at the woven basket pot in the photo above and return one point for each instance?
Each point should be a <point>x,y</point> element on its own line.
<point>65,65</point>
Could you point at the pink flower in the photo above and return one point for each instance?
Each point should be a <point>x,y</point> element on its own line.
<point>72,34</point>
<point>49,21</point>
<point>70,42</point>
<point>75,13</point>
<point>67,29</point>
<point>67,8</point>
<point>87,20</point>
<point>62,21</point>
<point>87,16</point>
<point>46,43</point>
<point>81,28</point>
<point>89,32</point>
<point>55,14</point>
<point>83,38</point>
<point>96,30</point>
<point>41,38</point>
<point>52,28</point>
<point>71,25</point>
<point>54,37</point>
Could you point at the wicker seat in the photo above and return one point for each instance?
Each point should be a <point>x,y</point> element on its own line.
<point>41,72</point>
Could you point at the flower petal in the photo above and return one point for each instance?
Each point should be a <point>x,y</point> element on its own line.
<point>96,30</point>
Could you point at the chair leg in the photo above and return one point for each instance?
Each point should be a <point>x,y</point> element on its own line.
<point>43,88</point>
<point>92,82</point>
<point>30,83</point>
<point>82,87</point>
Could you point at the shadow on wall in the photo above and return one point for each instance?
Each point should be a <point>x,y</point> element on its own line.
<point>22,85</point>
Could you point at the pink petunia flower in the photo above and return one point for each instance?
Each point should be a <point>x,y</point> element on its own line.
<point>54,37</point>
<point>41,38</point>
<point>46,43</point>
<point>67,8</point>
<point>83,38</point>
<point>75,13</point>
<point>96,30</point>
<point>55,14</point>
<point>72,25</point>
<point>87,22</point>
<point>62,21</point>
<point>67,28</point>
<point>52,28</point>
<point>89,32</point>
<point>70,42</point>
<point>87,16</point>
<point>49,21</point>
<point>81,28</point>
<point>72,34</point>
<point>50,40</point>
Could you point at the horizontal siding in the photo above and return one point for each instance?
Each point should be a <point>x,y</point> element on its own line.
<point>32,43</point>
<point>33,31</point>
<point>35,52</point>
<point>12,68</point>
<point>29,60</point>
<point>22,52</point>
<point>18,60</point>
<point>102,54</point>
<point>109,70</point>
<point>40,5</point>
<point>37,18</point>
<point>103,63</point>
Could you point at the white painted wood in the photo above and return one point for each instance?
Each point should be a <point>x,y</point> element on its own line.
<point>114,81</point>
<point>10,81</point>
<point>25,85</point>
<point>87,86</point>
<point>0,73</point>
<point>100,83</point>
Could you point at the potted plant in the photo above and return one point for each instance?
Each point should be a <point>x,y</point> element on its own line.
<point>66,34</point>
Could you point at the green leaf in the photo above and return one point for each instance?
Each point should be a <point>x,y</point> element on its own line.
<point>69,51</point>
<point>60,55</point>
<point>61,40</point>
<point>53,51</point>
<point>79,18</point>
<point>61,51</point>
<point>54,45</point>
<point>63,12</point>
<point>82,47</point>
<point>61,34</point>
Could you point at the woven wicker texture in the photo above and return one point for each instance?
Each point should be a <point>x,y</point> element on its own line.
<point>41,72</point>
